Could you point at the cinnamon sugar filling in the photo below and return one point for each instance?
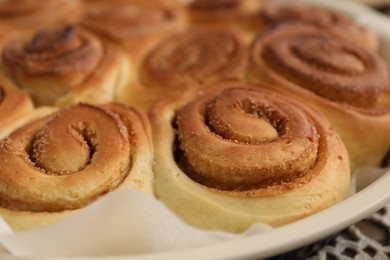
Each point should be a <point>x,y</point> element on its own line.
<point>243,140</point>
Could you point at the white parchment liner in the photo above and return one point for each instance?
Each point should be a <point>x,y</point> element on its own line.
<point>129,222</point>
<point>121,223</point>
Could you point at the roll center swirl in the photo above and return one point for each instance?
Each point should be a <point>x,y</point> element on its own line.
<point>194,57</point>
<point>67,54</point>
<point>48,152</point>
<point>242,139</point>
<point>227,119</point>
<point>53,40</point>
<point>58,51</point>
<point>79,134</point>
<point>328,54</point>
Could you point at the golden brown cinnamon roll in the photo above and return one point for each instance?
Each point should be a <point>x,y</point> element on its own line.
<point>188,61</point>
<point>337,23</point>
<point>64,161</point>
<point>30,15</point>
<point>65,65</point>
<point>240,154</point>
<point>136,24</point>
<point>347,82</point>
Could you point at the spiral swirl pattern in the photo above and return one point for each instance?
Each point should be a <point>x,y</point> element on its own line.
<point>330,67</point>
<point>243,139</point>
<point>194,57</point>
<point>44,53</point>
<point>240,154</point>
<point>57,61</point>
<point>67,159</point>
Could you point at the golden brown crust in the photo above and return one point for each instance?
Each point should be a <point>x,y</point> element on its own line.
<point>69,158</point>
<point>209,131</point>
<point>287,151</point>
<point>335,22</point>
<point>274,13</point>
<point>328,66</point>
<point>273,141</point>
<point>222,12</point>
<point>14,103</point>
<point>195,57</point>
<point>64,65</point>
<point>31,15</point>
<point>136,25</point>
<point>348,83</point>
<point>185,62</point>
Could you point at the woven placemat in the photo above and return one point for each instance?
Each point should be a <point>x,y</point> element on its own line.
<point>367,239</point>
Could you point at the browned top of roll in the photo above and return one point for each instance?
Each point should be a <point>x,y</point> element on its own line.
<point>207,4</point>
<point>245,139</point>
<point>36,13</point>
<point>203,11</point>
<point>66,160</point>
<point>332,68</point>
<point>61,51</point>
<point>9,99</point>
<point>206,10</point>
<point>336,22</point>
<point>274,13</point>
<point>63,65</point>
<point>124,20</point>
<point>54,61</point>
<point>194,57</point>
<point>13,103</point>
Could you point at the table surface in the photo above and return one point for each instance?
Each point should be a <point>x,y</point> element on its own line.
<point>367,239</point>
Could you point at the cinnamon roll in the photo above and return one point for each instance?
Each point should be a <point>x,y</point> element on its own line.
<point>347,82</point>
<point>56,164</point>
<point>240,154</point>
<point>65,65</point>
<point>30,15</point>
<point>187,61</point>
<point>337,23</point>
<point>136,24</point>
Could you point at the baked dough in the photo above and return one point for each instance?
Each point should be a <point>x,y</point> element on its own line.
<point>30,15</point>
<point>336,23</point>
<point>185,62</point>
<point>348,83</point>
<point>240,154</point>
<point>61,162</point>
<point>65,65</point>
